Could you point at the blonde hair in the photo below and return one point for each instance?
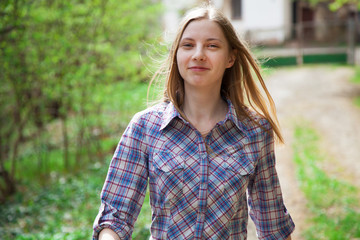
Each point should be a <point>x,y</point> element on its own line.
<point>238,84</point>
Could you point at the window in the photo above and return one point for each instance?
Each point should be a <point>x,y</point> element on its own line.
<point>236,9</point>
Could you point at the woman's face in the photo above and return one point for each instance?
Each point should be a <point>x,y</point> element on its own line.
<point>203,55</point>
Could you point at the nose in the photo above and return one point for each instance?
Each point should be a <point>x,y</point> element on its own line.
<point>199,54</point>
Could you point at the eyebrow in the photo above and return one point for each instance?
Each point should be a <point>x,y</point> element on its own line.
<point>208,40</point>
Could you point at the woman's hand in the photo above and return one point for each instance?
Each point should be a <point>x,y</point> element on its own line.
<point>108,234</point>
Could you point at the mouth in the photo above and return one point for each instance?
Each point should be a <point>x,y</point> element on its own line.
<point>198,68</point>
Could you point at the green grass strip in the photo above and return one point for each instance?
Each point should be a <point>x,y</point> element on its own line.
<point>334,203</point>
<point>357,101</point>
<point>356,79</point>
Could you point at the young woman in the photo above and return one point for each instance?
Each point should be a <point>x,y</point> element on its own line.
<point>206,152</point>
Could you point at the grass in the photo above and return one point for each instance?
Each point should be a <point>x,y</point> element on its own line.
<point>333,203</point>
<point>64,209</point>
<point>357,101</point>
<point>61,210</point>
<point>356,79</point>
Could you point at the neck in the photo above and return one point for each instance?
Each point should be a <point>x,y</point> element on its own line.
<point>204,109</point>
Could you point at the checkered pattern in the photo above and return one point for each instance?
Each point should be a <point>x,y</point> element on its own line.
<point>198,187</point>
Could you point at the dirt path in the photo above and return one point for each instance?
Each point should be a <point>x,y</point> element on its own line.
<point>321,96</point>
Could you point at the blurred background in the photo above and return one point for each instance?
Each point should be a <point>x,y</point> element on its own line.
<point>73,73</point>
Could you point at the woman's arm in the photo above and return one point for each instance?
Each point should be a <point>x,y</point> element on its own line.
<point>108,234</point>
<point>267,209</point>
<point>125,186</point>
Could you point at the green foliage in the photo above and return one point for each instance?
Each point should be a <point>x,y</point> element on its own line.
<point>142,225</point>
<point>336,4</point>
<point>72,75</point>
<point>64,205</point>
<point>121,100</point>
<point>333,203</point>
<point>54,56</point>
<point>64,209</point>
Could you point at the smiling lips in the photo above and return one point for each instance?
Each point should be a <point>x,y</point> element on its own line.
<point>198,68</point>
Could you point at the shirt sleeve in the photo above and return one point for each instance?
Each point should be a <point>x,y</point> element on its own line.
<point>124,189</point>
<point>265,199</point>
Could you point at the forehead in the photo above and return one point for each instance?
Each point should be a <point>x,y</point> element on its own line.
<point>203,29</point>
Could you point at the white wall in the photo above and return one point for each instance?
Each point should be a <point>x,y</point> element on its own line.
<point>268,15</point>
<point>273,16</point>
<point>260,14</point>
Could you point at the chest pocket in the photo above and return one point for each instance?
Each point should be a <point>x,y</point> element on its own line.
<point>239,162</point>
<point>169,171</point>
<point>167,162</point>
<point>239,167</point>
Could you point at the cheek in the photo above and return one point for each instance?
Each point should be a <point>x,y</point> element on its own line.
<point>224,61</point>
<point>180,60</point>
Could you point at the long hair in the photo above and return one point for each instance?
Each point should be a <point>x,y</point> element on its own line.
<point>238,83</point>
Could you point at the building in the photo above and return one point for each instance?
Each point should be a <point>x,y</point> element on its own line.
<point>271,22</point>
<point>272,17</point>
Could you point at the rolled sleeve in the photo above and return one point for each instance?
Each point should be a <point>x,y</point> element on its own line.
<point>124,189</point>
<point>267,208</point>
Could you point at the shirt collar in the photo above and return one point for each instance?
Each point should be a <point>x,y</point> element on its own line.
<point>171,112</point>
<point>231,115</point>
<point>168,115</point>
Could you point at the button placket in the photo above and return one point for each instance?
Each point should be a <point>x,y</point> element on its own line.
<point>203,189</point>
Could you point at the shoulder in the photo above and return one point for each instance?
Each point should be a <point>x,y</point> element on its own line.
<point>255,123</point>
<point>260,132</point>
<point>151,115</point>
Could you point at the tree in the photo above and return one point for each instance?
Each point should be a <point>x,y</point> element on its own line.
<point>336,4</point>
<point>53,55</point>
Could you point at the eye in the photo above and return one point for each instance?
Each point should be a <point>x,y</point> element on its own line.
<point>187,45</point>
<point>213,46</point>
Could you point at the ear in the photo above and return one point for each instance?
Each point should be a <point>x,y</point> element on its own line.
<point>232,58</point>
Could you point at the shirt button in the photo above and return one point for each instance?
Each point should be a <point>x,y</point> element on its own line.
<point>202,217</point>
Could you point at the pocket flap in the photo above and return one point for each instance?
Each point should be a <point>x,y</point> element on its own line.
<point>240,163</point>
<point>167,162</point>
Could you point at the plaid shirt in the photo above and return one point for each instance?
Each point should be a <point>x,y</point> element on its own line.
<point>198,187</point>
